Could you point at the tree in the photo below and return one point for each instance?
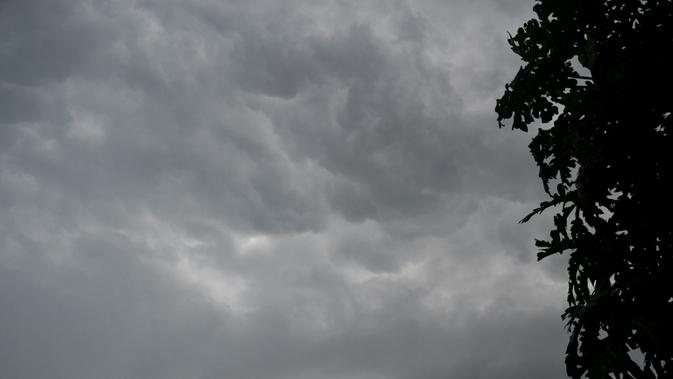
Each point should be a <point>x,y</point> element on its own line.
<point>598,77</point>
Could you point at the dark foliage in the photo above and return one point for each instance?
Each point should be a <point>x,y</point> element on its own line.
<point>599,77</point>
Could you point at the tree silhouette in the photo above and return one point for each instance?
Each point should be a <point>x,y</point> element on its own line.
<point>598,75</point>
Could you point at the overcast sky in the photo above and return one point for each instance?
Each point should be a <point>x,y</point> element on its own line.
<point>267,190</point>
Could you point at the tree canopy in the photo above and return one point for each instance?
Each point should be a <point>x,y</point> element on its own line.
<point>597,84</point>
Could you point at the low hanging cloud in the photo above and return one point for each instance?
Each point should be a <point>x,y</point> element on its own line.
<point>296,189</point>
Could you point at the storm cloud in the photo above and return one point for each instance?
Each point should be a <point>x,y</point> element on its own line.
<point>267,189</point>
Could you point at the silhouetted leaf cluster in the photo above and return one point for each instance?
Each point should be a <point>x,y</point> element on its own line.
<point>604,157</point>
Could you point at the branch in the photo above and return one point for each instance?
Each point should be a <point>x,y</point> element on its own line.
<point>580,77</point>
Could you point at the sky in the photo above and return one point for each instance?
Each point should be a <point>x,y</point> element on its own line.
<point>296,189</point>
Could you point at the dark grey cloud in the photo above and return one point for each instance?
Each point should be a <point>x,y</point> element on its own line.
<point>296,189</point>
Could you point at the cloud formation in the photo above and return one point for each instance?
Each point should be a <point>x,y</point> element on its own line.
<point>296,189</point>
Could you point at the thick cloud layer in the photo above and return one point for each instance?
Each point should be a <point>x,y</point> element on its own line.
<point>267,189</point>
